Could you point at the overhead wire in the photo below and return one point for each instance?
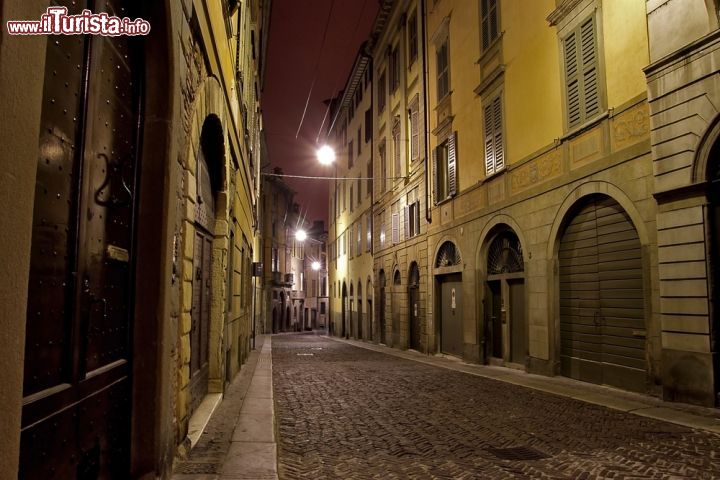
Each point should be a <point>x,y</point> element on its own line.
<point>317,64</point>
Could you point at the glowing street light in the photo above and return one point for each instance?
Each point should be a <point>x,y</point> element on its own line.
<point>326,155</point>
<point>315,265</point>
<point>300,235</point>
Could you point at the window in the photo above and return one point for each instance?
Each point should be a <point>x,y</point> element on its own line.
<point>412,39</point>
<point>413,118</point>
<point>358,228</point>
<point>350,242</point>
<point>381,217</point>
<point>444,166</point>
<point>350,154</point>
<point>582,87</point>
<point>383,168</point>
<point>382,92</point>
<point>368,242</point>
<point>395,224</point>
<point>344,196</point>
<point>394,69</point>
<point>443,71</point>
<point>359,144</point>
<point>489,12</point>
<point>352,198</point>
<point>275,263</point>
<point>359,197</point>
<point>369,178</point>
<point>412,214</point>
<point>397,163</point>
<point>494,152</point>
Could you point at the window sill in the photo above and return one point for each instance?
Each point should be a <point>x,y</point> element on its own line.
<point>494,175</point>
<point>585,126</point>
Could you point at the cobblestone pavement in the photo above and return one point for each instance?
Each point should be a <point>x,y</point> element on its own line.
<point>346,412</point>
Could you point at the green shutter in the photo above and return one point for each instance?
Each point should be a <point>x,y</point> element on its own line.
<point>572,80</point>
<point>489,143</point>
<point>591,100</point>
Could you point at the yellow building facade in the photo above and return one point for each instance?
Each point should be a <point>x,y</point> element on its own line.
<point>543,241</point>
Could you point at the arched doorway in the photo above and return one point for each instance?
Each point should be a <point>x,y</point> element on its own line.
<point>602,317</point>
<point>343,312</point>
<point>448,275</point>
<point>275,320</point>
<point>360,317</point>
<point>370,323</point>
<point>414,306</point>
<point>352,321</point>
<point>395,309</point>
<point>281,316</point>
<point>381,305</point>
<point>506,336</point>
<point>713,177</point>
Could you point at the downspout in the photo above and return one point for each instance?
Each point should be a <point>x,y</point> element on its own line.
<point>426,114</point>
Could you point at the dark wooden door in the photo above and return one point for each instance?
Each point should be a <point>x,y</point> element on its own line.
<point>76,406</point>
<point>381,317</point>
<point>494,319</point>
<point>414,306</point>
<point>451,328</point>
<point>200,314</point>
<point>518,324</point>
<point>602,322</point>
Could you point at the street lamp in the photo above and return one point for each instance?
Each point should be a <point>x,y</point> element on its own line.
<point>315,265</point>
<point>326,155</point>
<point>300,235</point>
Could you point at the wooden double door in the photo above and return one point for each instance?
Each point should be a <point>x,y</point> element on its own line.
<point>506,335</point>
<point>77,384</point>
<point>602,318</point>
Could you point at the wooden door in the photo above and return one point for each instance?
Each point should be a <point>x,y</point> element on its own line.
<point>200,315</point>
<point>414,306</point>
<point>451,328</point>
<point>518,324</point>
<point>602,322</point>
<point>494,319</point>
<point>76,406</point>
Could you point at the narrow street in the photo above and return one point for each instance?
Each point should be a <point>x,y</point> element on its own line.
<point>348,412</point>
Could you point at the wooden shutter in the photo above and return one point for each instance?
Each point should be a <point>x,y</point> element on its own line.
<point>572,80</point>
<point>414,133</point>
<point>497,134</point>
<point>452,164</point>
<point>588,50</point>
<point>489,143</point>
<point>395,225</point>
<point>406,221</point>
<point>434,175</point>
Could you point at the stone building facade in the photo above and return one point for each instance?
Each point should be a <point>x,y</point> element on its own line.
<point>145,309</point>
<point>684,94</point>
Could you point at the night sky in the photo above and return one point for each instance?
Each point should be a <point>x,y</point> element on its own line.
<point>294,58</point>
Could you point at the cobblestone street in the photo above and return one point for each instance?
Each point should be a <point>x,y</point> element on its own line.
<point>348,412</point>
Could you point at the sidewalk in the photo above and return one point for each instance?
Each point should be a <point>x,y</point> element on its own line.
<point>691,416</point>
<point>239,439</point>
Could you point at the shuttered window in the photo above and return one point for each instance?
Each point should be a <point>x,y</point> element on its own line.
<point>395,225</point>
<point>368,243</point>
<point>443,71</point>
<point>445,169</point>
<point>414,130</point>
<point>580,54</point>
<point>494,151</point>
<point>397,159</point>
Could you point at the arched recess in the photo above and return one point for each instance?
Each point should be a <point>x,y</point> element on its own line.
<point>343,311</point>
<point>713,189</point>
<point>360,316</point>
<point>370,323</point>
<point>601,295</point>
<point>414,308</point>
<point>352,318</point>
<point>706,153</point>
<point>448,266</point>
<point>395,308</point>
<point>382,337</point>
<point>505,328</point>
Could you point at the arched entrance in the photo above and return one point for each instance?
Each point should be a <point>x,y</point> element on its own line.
<point>395,309</point>
<point>360,317</point>
<point>381,312</point>
<point>714,197</point>
<point>370,323</point>
<point>449,294</point>
<point>275,320</point>
<point>281,316</point>
<point>351,314</point>
<point>602,318</point>
<point>209,181</point>
<point>343,312</point>
<point>414,307</point>
<point>506,336</point>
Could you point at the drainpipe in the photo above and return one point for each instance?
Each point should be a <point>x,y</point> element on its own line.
<point>426,114</point>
